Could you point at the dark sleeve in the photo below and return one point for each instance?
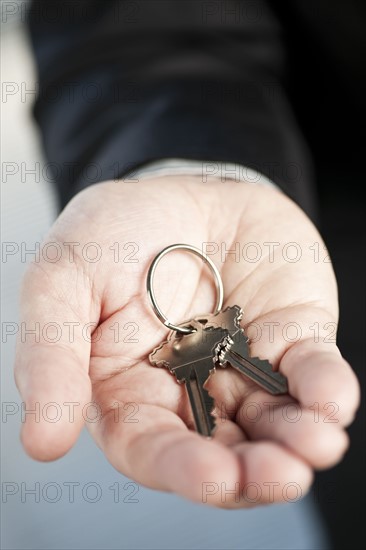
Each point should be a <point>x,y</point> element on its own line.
<point>126,82</point>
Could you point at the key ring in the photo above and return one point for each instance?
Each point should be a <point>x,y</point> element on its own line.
<point>151,293</point>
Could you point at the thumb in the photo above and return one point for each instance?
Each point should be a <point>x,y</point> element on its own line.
<point>52,358</point>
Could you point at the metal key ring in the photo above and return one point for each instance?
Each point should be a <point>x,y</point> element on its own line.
<point>151,293</point>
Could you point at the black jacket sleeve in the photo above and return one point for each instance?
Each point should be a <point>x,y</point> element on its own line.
<point>124,82</point>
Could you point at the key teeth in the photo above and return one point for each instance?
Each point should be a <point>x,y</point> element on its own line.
<point>159,362</point>
<point>260,363</point>
<point>238,315</point>
<point>220,351</point>
<point>253,358</point>
<point>264,363</point>
<point>181,381</point>
<point>267,366</point>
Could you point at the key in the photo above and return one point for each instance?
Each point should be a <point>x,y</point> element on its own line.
<point>190,357</point>
<point>234,350</point>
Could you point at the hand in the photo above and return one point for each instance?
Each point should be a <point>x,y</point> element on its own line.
<point>269,441</point>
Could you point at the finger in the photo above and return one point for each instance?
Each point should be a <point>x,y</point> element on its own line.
<point>159,389</point>
<point>318,443</point>
<point>278,418</point>
<point>159,452</point>
<point>318,376</point>
<point>51,365</point>
<point>272,334</point>
<point>228,433</point>
<point>322,380</point>
<point>272,474</point>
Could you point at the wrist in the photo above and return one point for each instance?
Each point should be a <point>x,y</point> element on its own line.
<point>204,169</point>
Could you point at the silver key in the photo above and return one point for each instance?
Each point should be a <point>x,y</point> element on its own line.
<point>234,350</point>
<point>190,357</point>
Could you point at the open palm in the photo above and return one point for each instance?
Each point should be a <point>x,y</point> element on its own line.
<point>141,418</point>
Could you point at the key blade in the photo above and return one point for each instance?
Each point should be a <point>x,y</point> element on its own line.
<point>202,403</point>
<point>236,353</point>
<point>190,358</point>
<point>260,371</point>
<point>228,318</point>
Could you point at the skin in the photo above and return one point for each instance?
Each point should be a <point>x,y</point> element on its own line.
<point>160,449</point>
